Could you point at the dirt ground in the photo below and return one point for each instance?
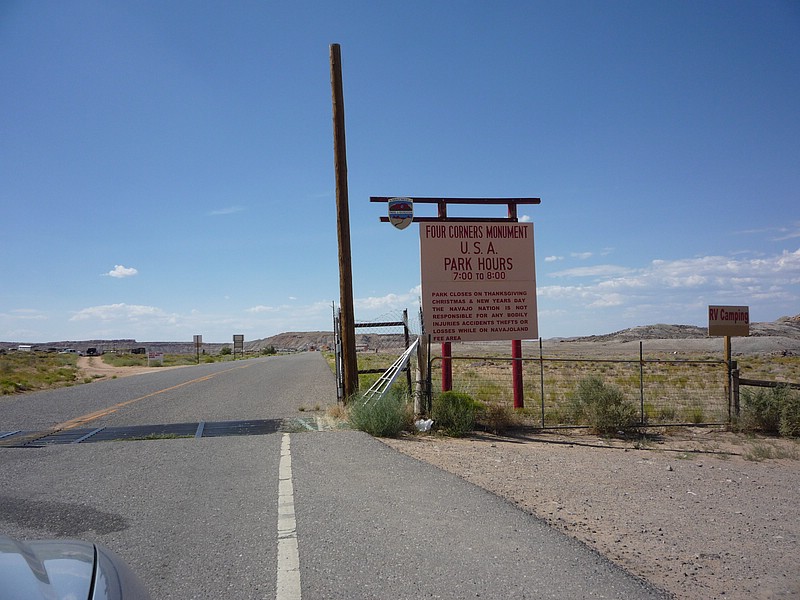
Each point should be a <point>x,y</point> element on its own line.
<point>698,512</point>
<point>96,368</point>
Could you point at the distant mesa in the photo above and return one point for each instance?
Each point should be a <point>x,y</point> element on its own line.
<point>785,329</point>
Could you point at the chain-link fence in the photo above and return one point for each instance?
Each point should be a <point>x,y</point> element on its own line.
<point>664,391</point>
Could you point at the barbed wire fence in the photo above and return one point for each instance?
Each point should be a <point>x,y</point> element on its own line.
<point>665,391</point>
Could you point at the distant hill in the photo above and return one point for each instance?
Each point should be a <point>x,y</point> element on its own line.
<point>785,328</point>
<point>321,340</point>
<point>788,327</point>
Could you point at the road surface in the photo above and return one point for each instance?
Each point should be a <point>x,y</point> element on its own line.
<point>333,514</point>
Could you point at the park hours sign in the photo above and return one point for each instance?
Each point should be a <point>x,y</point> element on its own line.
<point>478,281</point>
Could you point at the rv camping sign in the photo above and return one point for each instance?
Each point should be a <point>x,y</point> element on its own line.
<point>478,281</point>
<point>729,321</point>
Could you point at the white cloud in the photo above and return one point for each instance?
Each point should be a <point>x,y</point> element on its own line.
<point>680,288</point>
<point>607,300</point>
<point>525,219</point>
<point>595,271</point>
<point>24,314</point>
<point>388,302</point>
<point>553,258</point>
<point>229,210</point>
<point>582,255</point>
<point>777,234</point>
<point>123,312</point>
<point>121,271</point>
<point>262,309</point>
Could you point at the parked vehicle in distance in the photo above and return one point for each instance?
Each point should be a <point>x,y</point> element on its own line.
<point>93,352</point>
<point>68,351</point>
<point>65,569</point>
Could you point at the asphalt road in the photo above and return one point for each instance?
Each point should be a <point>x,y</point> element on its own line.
<point>332,514</point>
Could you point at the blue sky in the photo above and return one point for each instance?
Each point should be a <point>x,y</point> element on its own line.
<point>166,168</point>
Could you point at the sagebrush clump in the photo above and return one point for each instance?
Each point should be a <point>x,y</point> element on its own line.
<point>454,413</point>
<point>773,411</point>
<point>384,416</point>
<point>603,407</point>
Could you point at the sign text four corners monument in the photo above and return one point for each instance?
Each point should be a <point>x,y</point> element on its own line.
<point>478,278</point>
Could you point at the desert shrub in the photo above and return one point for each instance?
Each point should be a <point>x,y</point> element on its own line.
<point>790,416</point>
<point>384,416</point>
<point>454,413</point>
<point>496,417</point>
<point>761,409</point>
<point>667,414</point>
<point>559,415</point>
<point>695,413</point>
<point>603,407</point>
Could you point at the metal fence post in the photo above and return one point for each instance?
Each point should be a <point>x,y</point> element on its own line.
<point>516,373</point>
<point>541,377</point>
<point>641,381</point>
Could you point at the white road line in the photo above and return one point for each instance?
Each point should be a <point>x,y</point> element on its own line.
<point>288,587</point>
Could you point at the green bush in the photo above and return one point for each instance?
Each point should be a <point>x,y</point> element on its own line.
<point>790,416</point>
<point>761,409</point>
<point>454,413</point>
<point>382,417</point>
<point>603,407</point>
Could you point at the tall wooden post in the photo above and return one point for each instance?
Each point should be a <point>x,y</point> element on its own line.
<point>349,360</point>
<point>728,380</point>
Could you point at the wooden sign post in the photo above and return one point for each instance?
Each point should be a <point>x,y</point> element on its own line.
<point>729,321</point>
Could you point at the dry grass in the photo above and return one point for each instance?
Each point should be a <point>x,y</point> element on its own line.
<point>667,388</point>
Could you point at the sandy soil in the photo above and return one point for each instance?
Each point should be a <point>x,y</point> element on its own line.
<point>95,367</point>
<point>687,510</point>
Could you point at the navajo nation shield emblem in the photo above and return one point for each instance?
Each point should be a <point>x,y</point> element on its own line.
<point>401,212</point>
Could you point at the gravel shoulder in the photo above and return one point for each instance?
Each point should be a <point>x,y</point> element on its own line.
<point>96,368</point>
<point>701,513</point>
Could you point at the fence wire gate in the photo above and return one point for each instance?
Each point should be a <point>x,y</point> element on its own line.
<point>665,392</point>
<point>380,341</point>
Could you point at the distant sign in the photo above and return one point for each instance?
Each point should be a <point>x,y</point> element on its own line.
<point>478,281</point>
<point>198,339</point>
<point>155,356</point>
<point>731,321</point>
<point>401,212</point>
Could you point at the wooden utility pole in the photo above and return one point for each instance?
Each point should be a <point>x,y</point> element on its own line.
<point>349,360</point>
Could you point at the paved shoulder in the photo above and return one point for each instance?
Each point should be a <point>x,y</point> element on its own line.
<point>373,523</point>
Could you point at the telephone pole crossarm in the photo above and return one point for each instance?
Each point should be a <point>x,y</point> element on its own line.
<point>443,203</point>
